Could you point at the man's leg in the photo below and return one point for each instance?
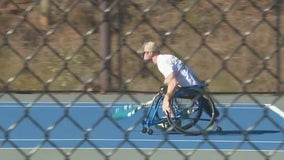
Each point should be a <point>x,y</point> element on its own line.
<point>207,107</point>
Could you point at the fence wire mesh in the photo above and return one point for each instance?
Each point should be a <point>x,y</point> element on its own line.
<point>87,49</point>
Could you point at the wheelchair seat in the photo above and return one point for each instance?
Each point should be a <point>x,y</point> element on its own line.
<point>190,92</point>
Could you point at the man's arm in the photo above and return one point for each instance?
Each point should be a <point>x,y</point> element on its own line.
<point>172,83</point>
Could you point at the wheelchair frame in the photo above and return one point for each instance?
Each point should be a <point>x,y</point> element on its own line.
<point>188,113</point>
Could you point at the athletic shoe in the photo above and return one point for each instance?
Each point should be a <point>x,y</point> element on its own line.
<point>167,126</point>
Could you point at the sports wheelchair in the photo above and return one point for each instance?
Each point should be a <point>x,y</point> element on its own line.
<point>188,104</point>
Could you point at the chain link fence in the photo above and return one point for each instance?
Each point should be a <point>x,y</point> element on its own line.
<point>83,48</point>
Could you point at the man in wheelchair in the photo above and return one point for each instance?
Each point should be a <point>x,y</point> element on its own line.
<point>178,77</point>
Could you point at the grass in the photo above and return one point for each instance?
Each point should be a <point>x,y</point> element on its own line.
<point>227,49</point>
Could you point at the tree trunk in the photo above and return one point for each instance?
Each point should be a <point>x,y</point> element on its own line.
<point>4,3</point>
<point>45,13</point>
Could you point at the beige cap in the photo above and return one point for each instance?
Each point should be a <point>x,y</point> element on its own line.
<point>150,47</point>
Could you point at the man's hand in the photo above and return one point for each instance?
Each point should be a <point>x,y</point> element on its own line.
<point>167,107</point>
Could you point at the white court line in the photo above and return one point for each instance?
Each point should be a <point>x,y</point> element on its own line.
<point>151,149</point>
<point>64,104</point>
<point>276,110</point>
<point>143,140</point>
<point>111,104</point>
<point>148,140</point>
<point>151,140</point>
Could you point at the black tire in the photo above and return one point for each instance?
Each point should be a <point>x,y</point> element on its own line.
<point>199,124</point>
<point>150,131</point>
<point>144,130</point>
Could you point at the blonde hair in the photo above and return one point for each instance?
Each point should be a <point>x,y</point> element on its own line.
<point>150,47</point>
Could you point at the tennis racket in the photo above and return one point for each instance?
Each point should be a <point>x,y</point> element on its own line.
<point>129,110</point>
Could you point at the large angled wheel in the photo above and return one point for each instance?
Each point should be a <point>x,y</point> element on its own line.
<point>190,118</point>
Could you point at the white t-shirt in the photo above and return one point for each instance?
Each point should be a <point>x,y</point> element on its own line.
<point>185,75</point>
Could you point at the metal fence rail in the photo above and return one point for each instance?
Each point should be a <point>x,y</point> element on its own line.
<point>88,46</point>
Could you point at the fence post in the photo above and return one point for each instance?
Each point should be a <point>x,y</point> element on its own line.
<point>105,46</point>
<point>279,44</point>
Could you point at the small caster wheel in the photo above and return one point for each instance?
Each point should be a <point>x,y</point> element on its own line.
<point>150,131</point>
<point>144,130</point>
<point>218,129</point>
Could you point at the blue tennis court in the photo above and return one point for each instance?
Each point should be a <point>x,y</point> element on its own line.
<point>88,125</point>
